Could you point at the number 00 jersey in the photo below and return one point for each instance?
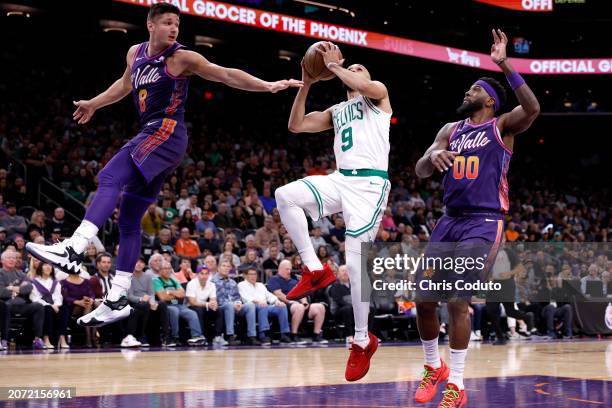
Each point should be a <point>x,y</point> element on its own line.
<point>477,180</point>
<point>362,135</point>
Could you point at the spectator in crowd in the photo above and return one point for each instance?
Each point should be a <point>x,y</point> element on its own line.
<point>272,262</point>
<point>151,222</point>
<point>266,199</point>
<point>342,307</point>
<point>59,222</point>
<point>223,217</point>
<point>210,262</point>
<point>187,247</point>
<point>3,239</point>
<point>164,241</point>
<point>185,273</point>
<point>13,223</point>
<point>169,290</point>
<point>47,291</point>
<point>230,304</point>
<point>183,199</point>
<point>229,255</point>
<point>280,284</point>
<point>142,299</point>
<point>37,223</point>
<point>336,234</point>
<point>78,297</point>
<point>241,218</point>
<point>266,305</point>
<point>202,297</point>
<point>251,244</point>
<point>205,223</point>
<point>187,221</point>
<point>266,234</point>
<point>209,243</point>
<point>155,262</point>
<point>101,282</point>
<point>15,291</point>
<point>196,212</point>
<point>593,275</point>
<point>90,259</point>
<point>169,212</point>
<point>316,238</point>
<point>250,260</point>
<point>288,249</point>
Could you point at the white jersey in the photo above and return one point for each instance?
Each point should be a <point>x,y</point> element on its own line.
<point>361,135</point>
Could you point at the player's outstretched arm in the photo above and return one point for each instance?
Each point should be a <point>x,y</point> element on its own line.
<point>520,118</point>
<point>372,89</point>
<point>198,65</point>
<point>117,91</point>
<point>314,122</point>
<point>437,157</point>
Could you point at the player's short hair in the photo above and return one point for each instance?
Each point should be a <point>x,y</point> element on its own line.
<point>158,9</point>
<point>499,89</point>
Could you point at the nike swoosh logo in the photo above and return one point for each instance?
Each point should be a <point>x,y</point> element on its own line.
<point>65,254</point>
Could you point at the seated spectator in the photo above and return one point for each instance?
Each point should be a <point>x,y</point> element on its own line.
<point>3,239</point>
<point>336,234</point>
<point>250,243</point>
<point>47,291</point>
<point>266,305</point>
<point>187,221</point>
<point>209,242</point>
<point>288,249</point>
<point>342,306</point>
<point>142,299</point>
<point>210,262</point>
<point>202,298</point>
<point>266,234</point>
<point>183,198</point>
<point>185,273</point>
<point>241,218</point>
<point>169,212</point>
<point>592,276</point>
<point>249,260</point>
<point>267,200</point>
<point>37,223</point>
<point>280,284</point>
<point>229,255</point>
<point>230,304</point>
<point>164,242</point>
<point>271,264</point>
<point>155,262</point>
<point>196,212</point>
<point>316,238</point>
<point>90,259</point>
<point>15,291</point>
<point>169,290</point>
<point>78,297</point>
<point>13,223</point>
<point>187,247</point>
<point>151,222</point>
<point>101,282</point>
<point>58,223</point>
<point>223,218</point>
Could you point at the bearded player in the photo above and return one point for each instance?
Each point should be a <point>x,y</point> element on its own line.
<point>359,189</point>
<point>157,75</point>
<point>474,154</point>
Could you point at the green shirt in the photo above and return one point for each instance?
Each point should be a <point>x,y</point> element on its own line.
<point>169,213</point>
<point>161,284</point>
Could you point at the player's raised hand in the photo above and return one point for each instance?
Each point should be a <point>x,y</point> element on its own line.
<point>442,159</point>
<point>331,53</point>
<point>498,49</point>
<point>84,111</point>
<point>284,84</point>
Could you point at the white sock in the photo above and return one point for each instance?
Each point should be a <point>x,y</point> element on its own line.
<point>457,366</point>
<point>432,353</point>
<point>81,237</point>
<point>290,200</point>
<point>121,284</point>
<point>361,309</point>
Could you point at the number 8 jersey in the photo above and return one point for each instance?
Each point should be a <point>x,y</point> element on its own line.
<point>361,135</point>
<point>478,178</point>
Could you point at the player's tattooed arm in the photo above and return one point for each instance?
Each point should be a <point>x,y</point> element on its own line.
<point>299,121</point>
<point>521,117</point>
<point>196,64</point>
<point>437,156</point>
<point>117,91</point>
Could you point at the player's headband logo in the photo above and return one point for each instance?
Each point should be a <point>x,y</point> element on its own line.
<point>490,90</point>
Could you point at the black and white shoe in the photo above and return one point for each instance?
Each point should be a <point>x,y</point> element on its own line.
<point>107,312</point>
<point>61,255</point>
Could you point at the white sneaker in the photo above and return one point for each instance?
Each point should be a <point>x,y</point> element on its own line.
<point>514,336</point>
<point>107,312</point>
<point>130,341</point>
<point>61,255</point>
<point>220,341</point>
<point>197,341</point>
<point>475,337</point>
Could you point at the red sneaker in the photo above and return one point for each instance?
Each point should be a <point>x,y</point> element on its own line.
<point>429,384</point>
<point>312,281</point>
<point>303,287</point>
<point>359,361</point>
<point>323,278</point>
<point>453,398</point>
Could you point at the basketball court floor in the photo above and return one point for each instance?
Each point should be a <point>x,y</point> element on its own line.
<point>521,374</point>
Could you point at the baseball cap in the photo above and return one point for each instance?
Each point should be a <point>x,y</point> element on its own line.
<point>200,268</point>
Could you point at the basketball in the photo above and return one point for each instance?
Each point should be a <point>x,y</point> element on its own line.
<point>314,65</point>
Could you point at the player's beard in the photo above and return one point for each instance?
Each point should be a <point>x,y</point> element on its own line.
<point>466,109</point>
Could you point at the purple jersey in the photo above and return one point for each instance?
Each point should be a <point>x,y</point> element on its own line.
<point>477,180</point>
<point>156,93</point>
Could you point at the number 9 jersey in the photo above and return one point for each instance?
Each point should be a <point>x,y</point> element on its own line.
<point>361,134</point>
<point>478,178</point>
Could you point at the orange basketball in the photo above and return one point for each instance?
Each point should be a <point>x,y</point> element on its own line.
<point>314,65</point>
